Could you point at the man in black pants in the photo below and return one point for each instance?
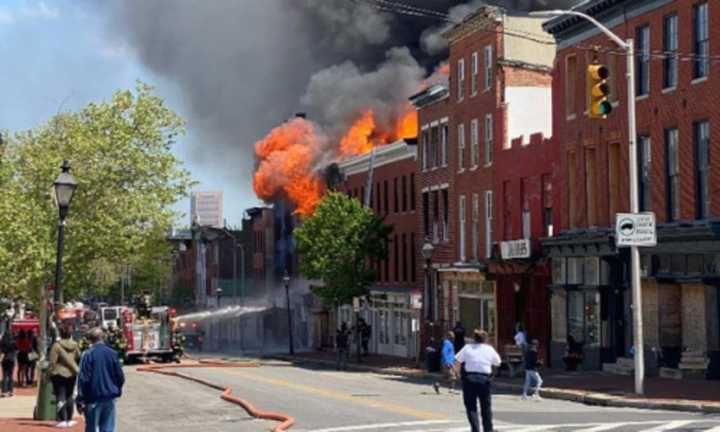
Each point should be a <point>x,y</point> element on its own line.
<point>479,359</point>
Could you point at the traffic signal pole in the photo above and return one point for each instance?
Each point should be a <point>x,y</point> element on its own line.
<point>629,48</point>
<point>639,357</point>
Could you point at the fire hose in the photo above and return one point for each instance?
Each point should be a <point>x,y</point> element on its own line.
<point>285,421</point>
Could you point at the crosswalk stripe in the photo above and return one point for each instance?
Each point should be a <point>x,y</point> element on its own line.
<point>602,427</point>
<point>385,425</point>
<point>715,429</point>
<point>668,426</point>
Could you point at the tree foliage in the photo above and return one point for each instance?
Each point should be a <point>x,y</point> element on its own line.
<point>337,245</point>
<point>128,179</point>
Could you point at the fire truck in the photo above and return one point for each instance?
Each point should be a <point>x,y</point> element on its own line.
<point>148,335</point>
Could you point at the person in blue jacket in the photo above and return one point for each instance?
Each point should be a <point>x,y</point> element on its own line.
<point>448,362</point>
<point>99,384</point>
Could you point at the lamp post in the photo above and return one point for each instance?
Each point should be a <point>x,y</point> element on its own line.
<point>218,293</point>
<point>427,253</point>
<point>286,280</point>
<point>629,48</point>
<point>64,186</point>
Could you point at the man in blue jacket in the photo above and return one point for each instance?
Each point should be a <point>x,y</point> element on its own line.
<point>99,384</point>
<point>448,362</point>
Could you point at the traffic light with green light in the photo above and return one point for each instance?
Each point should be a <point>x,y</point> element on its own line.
<point>598,91</point>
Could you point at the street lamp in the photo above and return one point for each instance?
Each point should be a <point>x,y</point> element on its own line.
<point>65,186</point>
<point>286,280</point>
<point>629,48</point>
<point>427,253</point>
<point>218,292</point>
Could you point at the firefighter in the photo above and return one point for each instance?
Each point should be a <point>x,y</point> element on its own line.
<point>116,340</point>
<point>178,344</point>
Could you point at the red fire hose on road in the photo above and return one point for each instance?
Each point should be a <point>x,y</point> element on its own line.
<point>285,420</point>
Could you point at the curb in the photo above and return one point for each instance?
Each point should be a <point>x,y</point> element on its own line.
<point>286,421</point>
<point>579,396</point>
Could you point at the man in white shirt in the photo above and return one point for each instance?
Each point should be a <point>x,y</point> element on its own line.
<point>479,359</point>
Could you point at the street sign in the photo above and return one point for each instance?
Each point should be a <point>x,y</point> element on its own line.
<point>635,229</point>
<point>515,249</point>
<point>356,304</point>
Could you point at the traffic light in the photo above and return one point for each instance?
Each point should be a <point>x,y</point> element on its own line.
<point>598,91</point>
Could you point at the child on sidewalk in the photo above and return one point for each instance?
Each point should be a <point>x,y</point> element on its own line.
<point>531,373</point>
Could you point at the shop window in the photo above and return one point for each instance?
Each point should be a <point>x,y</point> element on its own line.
<point>576,315</point>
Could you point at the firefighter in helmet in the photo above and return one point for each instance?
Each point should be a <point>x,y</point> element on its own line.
<point>116,340</point>
<point>177,341</point>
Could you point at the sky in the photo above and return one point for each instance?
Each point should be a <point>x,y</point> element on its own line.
<point>58,55</point>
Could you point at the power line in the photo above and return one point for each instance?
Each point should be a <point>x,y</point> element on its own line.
<point>405,9</point>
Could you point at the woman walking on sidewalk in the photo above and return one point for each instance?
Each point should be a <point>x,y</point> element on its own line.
<point>8,352</point>
<point>479,358</point>
<point>64,359</point>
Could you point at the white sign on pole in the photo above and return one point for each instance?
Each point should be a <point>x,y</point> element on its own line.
<point>356,304</point>
<point>635,229</point>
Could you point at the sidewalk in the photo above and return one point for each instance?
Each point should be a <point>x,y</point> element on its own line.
<point>590,387</point>
<point>16,413</point>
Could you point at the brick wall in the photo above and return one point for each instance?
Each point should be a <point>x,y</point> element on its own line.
<point>678,108</point>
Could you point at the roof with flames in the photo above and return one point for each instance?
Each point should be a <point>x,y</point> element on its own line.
<point>384,155</point>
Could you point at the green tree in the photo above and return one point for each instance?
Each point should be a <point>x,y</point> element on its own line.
<point>337,245</point>
<point>128,179</point>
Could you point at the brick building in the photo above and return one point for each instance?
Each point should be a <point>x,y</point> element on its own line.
<point>677,96</point>
<point>493,75</point>
<point>526,185</point>
<point>391,308</point>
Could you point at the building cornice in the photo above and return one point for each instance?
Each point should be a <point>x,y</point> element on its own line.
<point>484,18</point>
<point>384,155</point>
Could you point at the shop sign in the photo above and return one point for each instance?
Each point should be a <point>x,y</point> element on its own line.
<point>515,249</point>
<point>635,229</point>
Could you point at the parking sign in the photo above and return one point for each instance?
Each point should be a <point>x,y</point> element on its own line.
<point>635,229</point>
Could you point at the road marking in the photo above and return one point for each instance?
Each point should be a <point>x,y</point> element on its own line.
<point>386,425</point>
<point>715,429</point>
<point>333,394</point>
<point>668,426</point>
<point>604,427</point>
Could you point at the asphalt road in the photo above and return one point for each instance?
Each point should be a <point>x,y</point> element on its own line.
<point>329,401</point>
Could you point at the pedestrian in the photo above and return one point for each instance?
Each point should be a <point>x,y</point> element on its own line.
<point>64,358</point>
<point>341,343</point>
<point>479,358</point>
<point>531,372</point>
<point>365,333</point>
<point>448,363</point>
<point>459,332</point>
<point>33,358</point>
<point>100,383</point>
<point>8,351</point>
<point>23,357</point>
<point>520,337</point>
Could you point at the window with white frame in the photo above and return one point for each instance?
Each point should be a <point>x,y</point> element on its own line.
<point>488,67</point>
<point>488,139</point>
<point>488,223</point>
<point>670,46</point>
<point>461,146</point>
<point>474,144</point>
<point>474,74</point>
<point>461,79</point>
<point>475,227</point>
<point>444,142</point>
<point>461,226</point>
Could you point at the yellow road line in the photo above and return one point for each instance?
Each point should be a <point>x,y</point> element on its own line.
<point>333,394</point>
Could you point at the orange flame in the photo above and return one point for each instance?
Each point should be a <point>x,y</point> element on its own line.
<point>364,134</point>
<point>358,139</point>
<point>285,158</point>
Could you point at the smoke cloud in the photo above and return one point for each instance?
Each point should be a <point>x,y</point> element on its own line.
<point>245,66</point>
